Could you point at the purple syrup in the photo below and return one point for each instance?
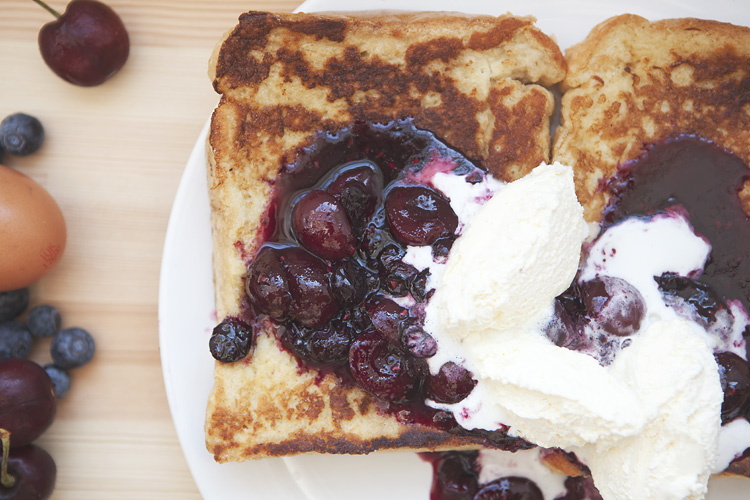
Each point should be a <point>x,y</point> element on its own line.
<point>705,180</point>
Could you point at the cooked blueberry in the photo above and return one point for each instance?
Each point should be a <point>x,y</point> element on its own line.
<point>350,282</point>
<point>510,488</point>
<point>357,189</point>
<point>418,286</point>
<point>418,215</point>
<point>312,302</point>
<point>616,305</point>
<point>734,374</point>
<point>385,316</point>
<point>15,340</point>
<point>451,384</point>
<point>322,226</point>
<point>296,338</point>
<point>21,134</point>
<point>13,303</point>
<point>456,475</point>
<point>72,347</point>
<point>381,369</point>
<point>697,294</point>
<point>267,285</point>
<point>230,340</point>
<point>44,321</point>
<point>396,276</point>
<point>60,379</point>
<point>415,340</point>
<point>331,345</point>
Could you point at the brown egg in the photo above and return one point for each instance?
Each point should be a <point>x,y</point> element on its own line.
<point>32,231</point>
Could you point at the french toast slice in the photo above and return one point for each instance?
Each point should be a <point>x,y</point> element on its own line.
<point>633,83</point>
<point>476,82</point>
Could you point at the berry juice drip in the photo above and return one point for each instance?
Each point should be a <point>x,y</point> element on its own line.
<point>705,181</point>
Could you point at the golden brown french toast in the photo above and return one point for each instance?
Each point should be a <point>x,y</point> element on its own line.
<point>632,84</point>
<point>476,82</point>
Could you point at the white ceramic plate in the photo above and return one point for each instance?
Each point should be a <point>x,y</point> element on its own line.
<point>186,301</point>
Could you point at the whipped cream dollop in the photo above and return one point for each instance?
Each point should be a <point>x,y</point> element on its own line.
<point>647,425</point>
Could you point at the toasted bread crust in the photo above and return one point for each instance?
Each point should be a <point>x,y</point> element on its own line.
<point>632,83</point>
<point>471,80</point>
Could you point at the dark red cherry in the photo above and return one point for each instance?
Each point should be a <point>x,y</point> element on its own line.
<point>266,284</point>
<point>381,369</point>
<point>322,226</point>
<point>33,473</point>
<point>510,488</point>
<point>457,477</point>
<point>358,190</point>
<point>27,400</point>
<point>614,304</point>
<point>734,373</point>
<point>312,302</point>
<point>418,215</point>
<point>385,316</point>
<point>86,45</point>
<point>451,384</point>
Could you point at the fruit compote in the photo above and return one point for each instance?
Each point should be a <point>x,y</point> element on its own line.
<point>331,272</point>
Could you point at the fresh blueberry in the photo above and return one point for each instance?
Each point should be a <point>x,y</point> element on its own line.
<point>15,340</point>
<point>21,134</point>
<point>13,303</point>
<point>44,321</point>
<point>60,379</point>
<point>72,347</point>
<point>231,340</point>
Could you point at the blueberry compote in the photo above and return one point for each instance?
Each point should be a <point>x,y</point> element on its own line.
<point>330,273</point>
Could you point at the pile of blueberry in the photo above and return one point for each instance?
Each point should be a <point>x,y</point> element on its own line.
<point>29,392</point>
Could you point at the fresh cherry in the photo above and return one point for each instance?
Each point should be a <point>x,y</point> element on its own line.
<point>451,384</point>
<point>28,473</point>
<point>86,45</point>
<point>418,215</point>
<point>616,305</point>
<point>27,400</point>
<point>510,488</point>
<point>734,373</point>
<point>381,369</point>
<point>312,303</point>
<point>357,188</point>
<point>322,226</point>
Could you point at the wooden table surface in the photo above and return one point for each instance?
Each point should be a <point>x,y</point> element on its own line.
<point>112,158</point>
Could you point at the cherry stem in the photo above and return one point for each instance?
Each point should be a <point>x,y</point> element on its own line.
<point>5,478</point>
<point>48,8</point>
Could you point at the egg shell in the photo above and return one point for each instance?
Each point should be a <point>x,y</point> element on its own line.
<point>32,230</point>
